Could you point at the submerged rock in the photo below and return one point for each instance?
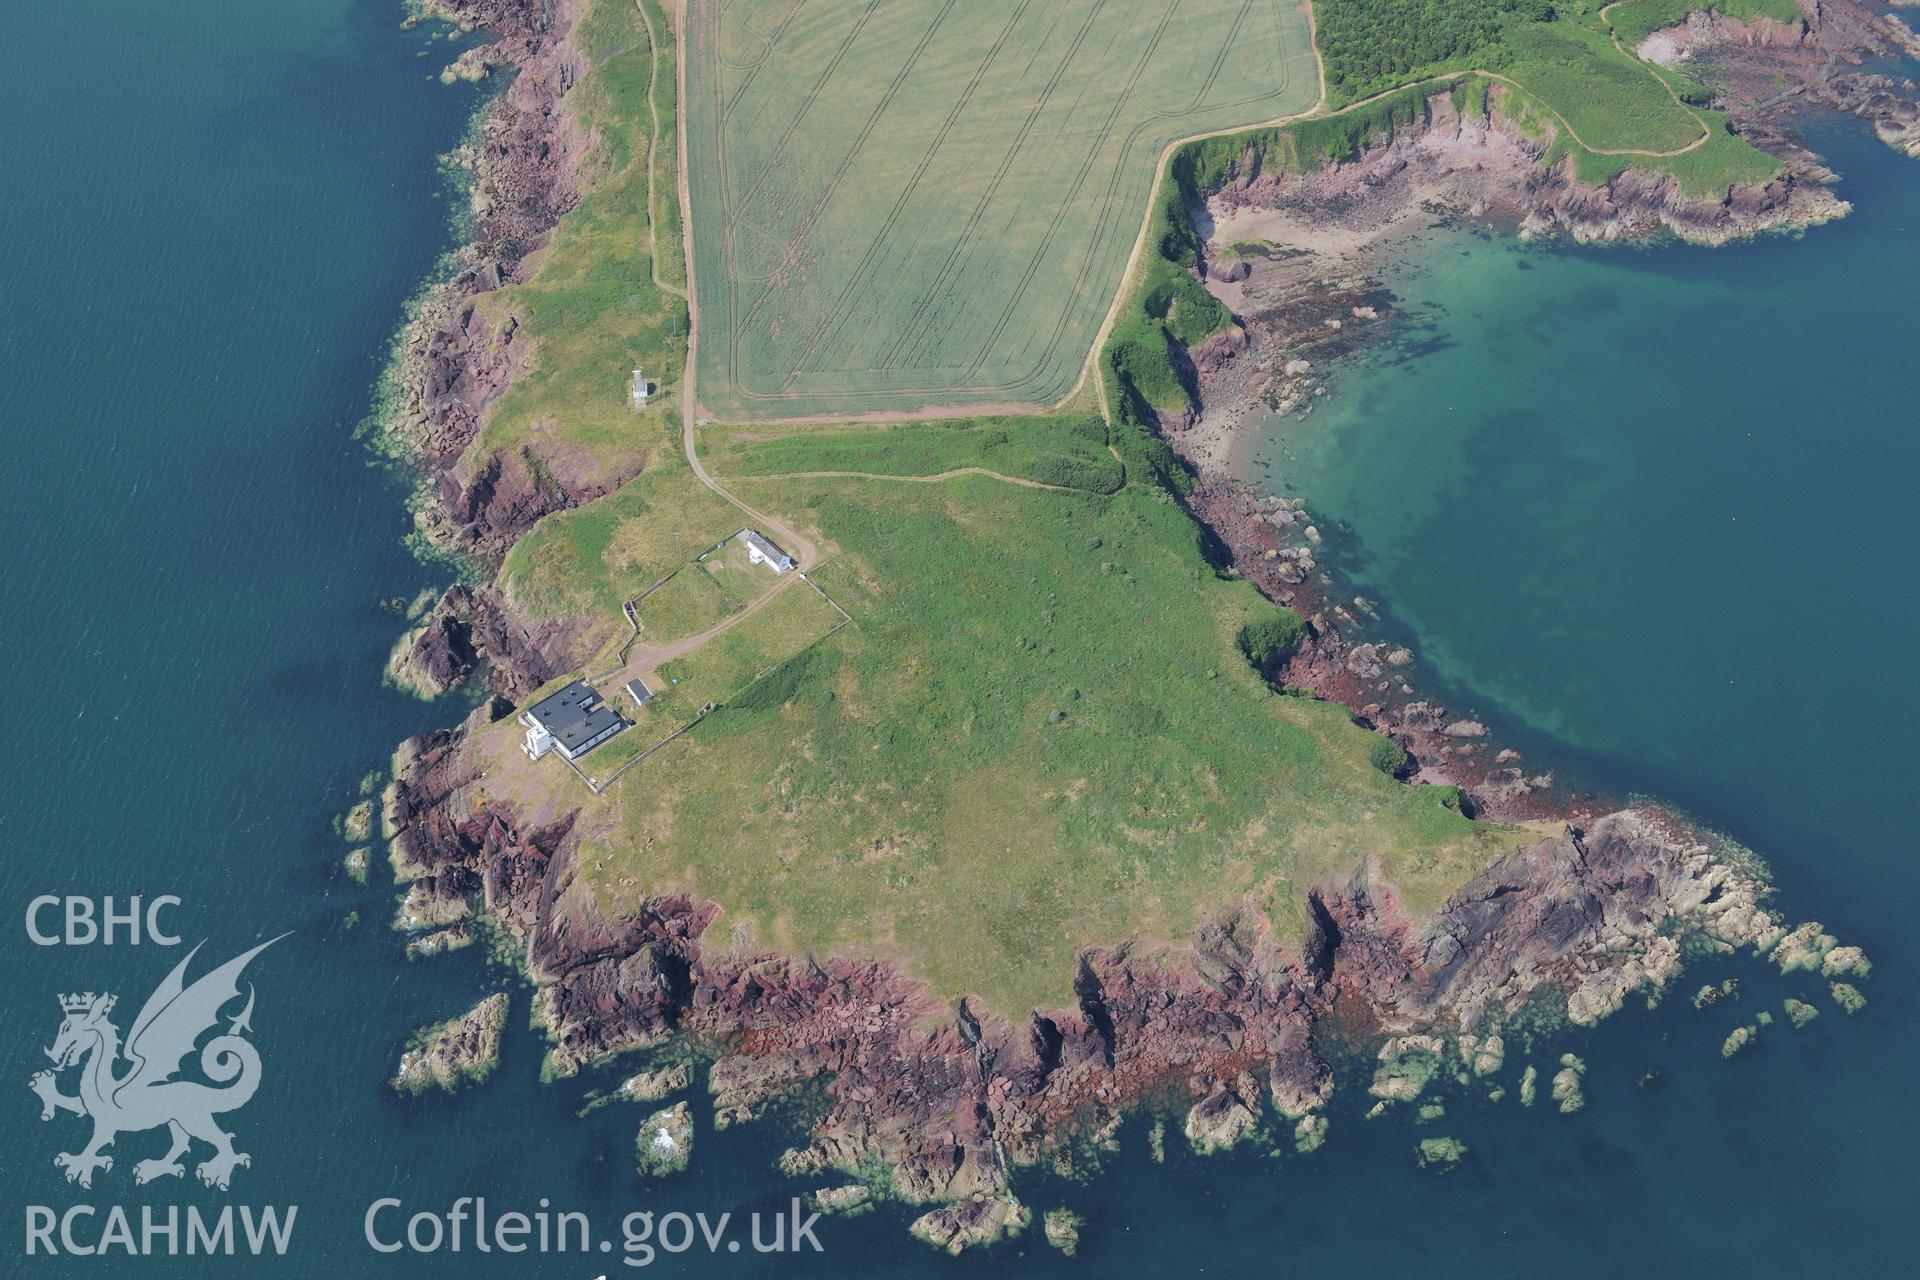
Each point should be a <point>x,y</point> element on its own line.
<point>1805,947</point>
<point>665,1141</point>
<point>1310,1134</point>
<point>1441,1153</point>
<point>1799,1012</point>
<point>1566,1084</point>
<point>357,824</point>
<point>1712,995</point>
<point>1738,1040</point>
<point>1223,1117</point>
<point>1529,1085</point>
<point>1848,996</point>
<point>1845,960</point>
<point>424,908</point>
<point>1063,1230</point>
<point>440,942</point>
<point>1407,1065</point>
<point>458,1052</point>
<point>847,1200</point>
<point>1483,1057</point>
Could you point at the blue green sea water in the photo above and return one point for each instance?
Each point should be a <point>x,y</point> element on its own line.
<point>210,219</point>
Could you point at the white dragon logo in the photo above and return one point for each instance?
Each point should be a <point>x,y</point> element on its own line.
<point>146,1095</point>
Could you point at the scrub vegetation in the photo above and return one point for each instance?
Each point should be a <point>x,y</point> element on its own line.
<point>1569,63</point>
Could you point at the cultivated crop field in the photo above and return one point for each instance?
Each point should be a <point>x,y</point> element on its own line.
<point>931,202</point>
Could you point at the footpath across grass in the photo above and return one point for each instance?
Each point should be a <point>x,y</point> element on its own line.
<point>1042,732</point>
<point>1564,59</point>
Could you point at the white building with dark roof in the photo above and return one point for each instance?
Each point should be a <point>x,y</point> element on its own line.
<point>761,551</point>
<point>573,722</point>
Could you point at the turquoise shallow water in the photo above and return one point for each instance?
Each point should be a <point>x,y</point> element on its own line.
<point>209,222</point>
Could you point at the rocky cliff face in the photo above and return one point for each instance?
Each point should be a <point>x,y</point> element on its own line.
<point>1766,71</point>
<point>453,360</point>
<point>475,635</point>
<point>1486,166</point>
<point>952,1097</point>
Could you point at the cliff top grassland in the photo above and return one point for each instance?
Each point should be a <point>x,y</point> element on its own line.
<point>1042,730</point>
<point>1040,734</point>
<point>1572,64</point>
<point>610,293</point>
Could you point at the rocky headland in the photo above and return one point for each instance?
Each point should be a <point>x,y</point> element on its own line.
<point>1233,1027</point>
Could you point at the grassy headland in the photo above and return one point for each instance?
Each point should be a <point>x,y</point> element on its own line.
<point>1050,723</point>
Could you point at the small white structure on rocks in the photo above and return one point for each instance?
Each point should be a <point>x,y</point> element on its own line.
<point>761,551</point>
<point>641,389</point>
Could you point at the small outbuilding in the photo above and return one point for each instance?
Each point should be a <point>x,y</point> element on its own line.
<point>642,389</point>
<point>573,722</point>
<point>761,551</point>
<point>638,691</point>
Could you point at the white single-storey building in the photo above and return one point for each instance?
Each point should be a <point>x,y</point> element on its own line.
<point>761,551</point>
<point>638,691</point>
<point>573,722</point>
<point>641,389</point>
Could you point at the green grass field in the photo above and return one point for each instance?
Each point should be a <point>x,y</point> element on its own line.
<point>932,204</point>
<point>1073,457</point>
<point>1039,734</point>
<point>1613,101</point>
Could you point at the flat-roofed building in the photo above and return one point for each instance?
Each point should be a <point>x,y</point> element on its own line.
<point>573,722</point>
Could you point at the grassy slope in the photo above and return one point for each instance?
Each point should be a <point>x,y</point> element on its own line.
<point>1570,64</point>
<point>591,305</point>
<point>1073,456</point>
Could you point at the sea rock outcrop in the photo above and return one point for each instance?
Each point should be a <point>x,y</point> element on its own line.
<point>455,1053</point>
<point>664,1144</point>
